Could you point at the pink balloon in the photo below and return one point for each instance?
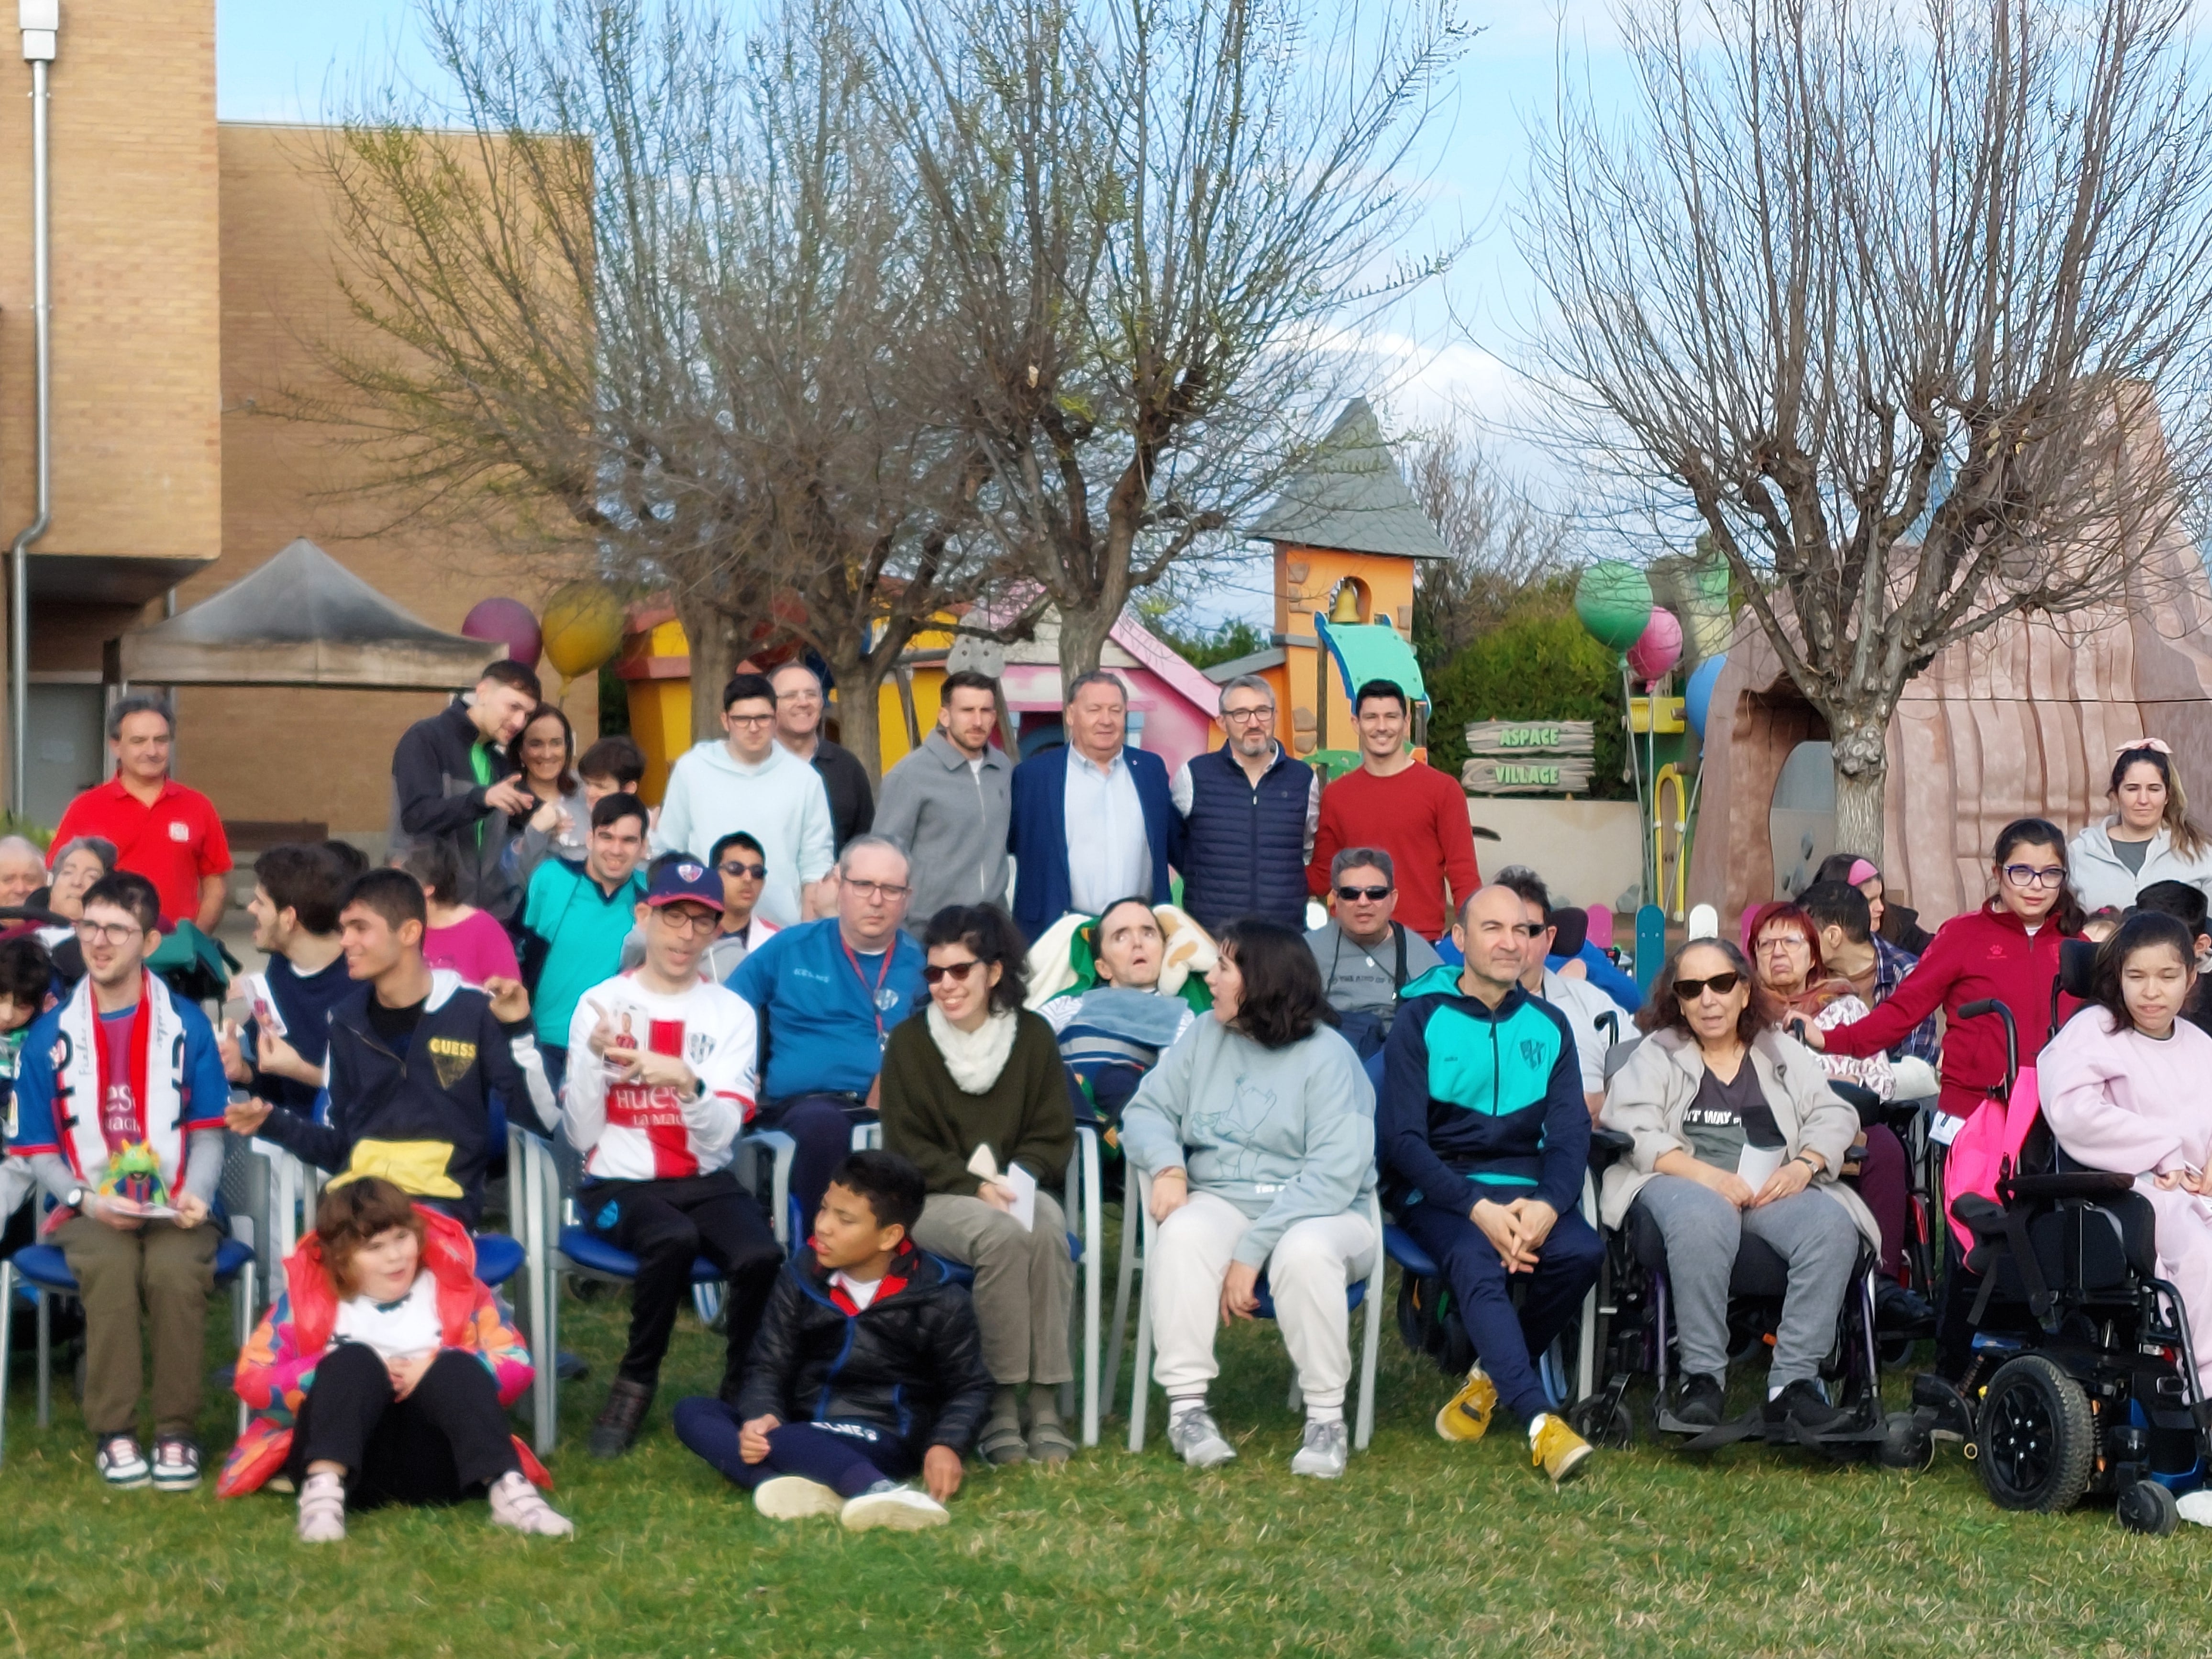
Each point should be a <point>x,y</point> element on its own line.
<point>1659,649</point>
<point>510,624</point>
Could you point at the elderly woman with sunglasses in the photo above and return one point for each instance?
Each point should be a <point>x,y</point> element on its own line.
<point>973,1091</point>
<point>1736,1133</point>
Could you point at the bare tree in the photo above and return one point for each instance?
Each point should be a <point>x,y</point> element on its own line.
<point>1148,214</point>
<point>1502,542</point>
<point>1830,252</point>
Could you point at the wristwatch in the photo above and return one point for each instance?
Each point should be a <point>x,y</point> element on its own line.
<point>1810,1166</point>
<point>74,1198</point>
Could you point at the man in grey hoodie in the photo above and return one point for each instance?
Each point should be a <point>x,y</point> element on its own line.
<point>947,804</point>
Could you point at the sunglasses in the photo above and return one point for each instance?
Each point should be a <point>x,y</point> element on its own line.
<point>1689,990</point>
<point>956,971</point>
<point>1353,895</point>
<point>734,869</point>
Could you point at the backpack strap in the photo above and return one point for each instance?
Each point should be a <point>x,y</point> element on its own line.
<point>1398,975</point>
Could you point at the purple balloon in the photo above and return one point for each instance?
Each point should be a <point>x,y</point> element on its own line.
<point>510,624</point>
<point>1659,649</point>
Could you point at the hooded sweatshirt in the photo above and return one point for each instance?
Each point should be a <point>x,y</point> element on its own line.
<point>1983,953</point>
<point>2100,880</point>
<point>1479,1102</point>
<point>781,803</point>
<point>1285,1134</point>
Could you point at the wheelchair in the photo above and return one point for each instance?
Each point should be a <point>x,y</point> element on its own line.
<point>2082,1377</point>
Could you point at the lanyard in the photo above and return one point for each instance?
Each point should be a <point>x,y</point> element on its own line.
<point>878,998</point>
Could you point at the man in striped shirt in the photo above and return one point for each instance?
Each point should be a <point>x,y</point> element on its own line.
<point>661,1079</point>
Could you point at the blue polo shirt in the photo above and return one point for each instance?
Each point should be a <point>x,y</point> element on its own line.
<point>825,1013</point>
<point>583,927</point>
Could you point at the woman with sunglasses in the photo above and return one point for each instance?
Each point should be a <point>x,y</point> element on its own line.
<point>1736,1134</point>
<point>2150,837</point>
<point>974,1095</point>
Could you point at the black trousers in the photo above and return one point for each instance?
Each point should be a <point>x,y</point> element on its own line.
<point>447,1441</point>
<point>666,1224</point>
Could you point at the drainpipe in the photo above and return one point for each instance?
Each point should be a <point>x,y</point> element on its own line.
<point>39,20</point>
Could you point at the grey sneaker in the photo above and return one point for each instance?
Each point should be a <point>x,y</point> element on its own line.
<point>1328,1446</point>
<point>1197,1441</point>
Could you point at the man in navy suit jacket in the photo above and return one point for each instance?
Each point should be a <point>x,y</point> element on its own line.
<point>1093,821</point>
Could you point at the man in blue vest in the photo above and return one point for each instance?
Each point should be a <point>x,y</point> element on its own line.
<point>1092,821</point>
<point>1249,815</point>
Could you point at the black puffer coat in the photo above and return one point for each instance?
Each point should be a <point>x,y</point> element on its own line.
<point>910,1362</point>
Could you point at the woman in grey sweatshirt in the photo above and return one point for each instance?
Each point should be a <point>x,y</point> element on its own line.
<point>1256,1135</point>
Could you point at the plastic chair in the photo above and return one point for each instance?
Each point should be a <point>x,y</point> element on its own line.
<point>1367,1291</point>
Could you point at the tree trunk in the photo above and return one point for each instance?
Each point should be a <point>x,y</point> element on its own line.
<point>1861,761</point>
<point>860,722</point>
<point>712,640</point>
<point>1082,641</point>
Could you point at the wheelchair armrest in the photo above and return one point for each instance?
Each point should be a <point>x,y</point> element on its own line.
<point>1608,1147</point>
<point>2079,1183</point>
<point>1860,1098</point>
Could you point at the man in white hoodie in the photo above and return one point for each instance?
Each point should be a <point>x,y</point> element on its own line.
<point>749,782</point>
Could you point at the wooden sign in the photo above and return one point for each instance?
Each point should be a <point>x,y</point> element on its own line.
<point>1513,738</point>
<point>1537,774</point>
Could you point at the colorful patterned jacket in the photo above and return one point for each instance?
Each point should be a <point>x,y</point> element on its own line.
<point>276,1367</point>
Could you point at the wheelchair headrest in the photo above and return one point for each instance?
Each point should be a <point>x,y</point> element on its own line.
<point>2077,966</point>
<point>1573,923</point>
<point>1617,1056</point>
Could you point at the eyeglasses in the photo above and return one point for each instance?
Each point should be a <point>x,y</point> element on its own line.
<point>751,719</point>
<point>955,971</point>
<point>1689,990</point>
<point>113,933</point>
<point>740,872</point>
<point>1247,716</point>
<point>691,921</point>
<point>885,890</point>
<point>801,695</point>
<point>2026,875</point>
<point>1532,929</point>
<point>1353,895</point>
<point>1784,942</point>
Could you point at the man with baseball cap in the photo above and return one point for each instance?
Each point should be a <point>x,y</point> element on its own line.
<point>660,1083</point>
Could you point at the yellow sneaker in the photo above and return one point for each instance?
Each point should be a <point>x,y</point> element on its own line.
<point>1465,1415</point>
<point>1557,1448</point>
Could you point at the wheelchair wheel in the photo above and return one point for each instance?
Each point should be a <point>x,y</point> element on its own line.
<point>2148,1507</point>
<point>1906,1445</point>
<point>2037,1440</point>
<point>1604,1421</point>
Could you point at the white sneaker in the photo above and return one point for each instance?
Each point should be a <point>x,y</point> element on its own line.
<point>794,1497</point>
<point>121,1463</point>
<point>176,1464</point>
<point>1195,1438</point>
<point>903,1509</point>
<point>322,1509</point>
<point>516,1504</point>
<point>1326,1448</point>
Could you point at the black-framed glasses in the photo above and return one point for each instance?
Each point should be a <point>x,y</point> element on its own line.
<point>1247,716</point>
<point>114,933</point>
<point>690,919</point>
<point>1353,895</point>
<point>955,971</point>
<point>886,890</point>
<point>751,719</point>
<point>1689,990</point>
<point>738,871</point>
<point>2026,875</point>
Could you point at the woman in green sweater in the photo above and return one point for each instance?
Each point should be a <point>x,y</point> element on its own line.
<point>979,1071</point>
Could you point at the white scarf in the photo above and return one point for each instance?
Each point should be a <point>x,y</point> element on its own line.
<point>76,1084</point>
<point>975,1058</point>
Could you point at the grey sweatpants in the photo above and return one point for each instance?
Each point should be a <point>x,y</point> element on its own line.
<point>1809,1231</point>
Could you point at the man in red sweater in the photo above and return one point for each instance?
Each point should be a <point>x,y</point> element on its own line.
<point>1413,813</point>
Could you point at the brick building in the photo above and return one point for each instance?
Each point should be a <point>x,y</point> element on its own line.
<point>193,271</point>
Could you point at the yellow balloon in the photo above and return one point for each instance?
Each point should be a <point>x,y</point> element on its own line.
<point>582,628</point>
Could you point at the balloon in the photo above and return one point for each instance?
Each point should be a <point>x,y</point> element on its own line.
<point>1698,695</point>
<point>1613,600</point>
<point>583,627</point>
<point>508,622</point>
<point>1658,649</point>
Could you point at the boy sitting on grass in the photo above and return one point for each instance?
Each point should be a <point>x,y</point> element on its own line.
<point>869,1332</point>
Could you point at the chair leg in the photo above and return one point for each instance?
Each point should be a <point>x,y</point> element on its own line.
<point>1088,1151</point>
<point>1140,1385</point>
<point>7,1346</point>
<point>1363,1428</point>
<point>1132,1225</point>
<point>45,1358</point>
<point>241,1293</point>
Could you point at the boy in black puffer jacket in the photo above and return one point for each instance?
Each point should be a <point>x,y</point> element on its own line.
<point>868,1369</point>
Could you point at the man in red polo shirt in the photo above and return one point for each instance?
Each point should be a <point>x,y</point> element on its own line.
<point>163,831</point>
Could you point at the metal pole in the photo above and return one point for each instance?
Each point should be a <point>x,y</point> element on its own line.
<point>39,20</point>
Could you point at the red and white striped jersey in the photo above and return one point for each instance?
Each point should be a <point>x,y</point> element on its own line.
<point>638,1132</point>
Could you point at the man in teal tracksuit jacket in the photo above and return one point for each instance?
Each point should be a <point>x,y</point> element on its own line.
<point>1483,1135</point>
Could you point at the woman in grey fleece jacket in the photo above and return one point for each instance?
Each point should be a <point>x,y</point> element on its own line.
<point>1256,1131</point>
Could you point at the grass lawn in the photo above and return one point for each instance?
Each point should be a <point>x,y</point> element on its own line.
<point>1423,1549</point>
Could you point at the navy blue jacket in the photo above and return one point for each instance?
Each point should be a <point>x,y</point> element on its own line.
<point>1036,833</point>
<point>1244,845</point>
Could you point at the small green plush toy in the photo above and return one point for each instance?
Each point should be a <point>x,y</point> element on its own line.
<point>133,1174</point>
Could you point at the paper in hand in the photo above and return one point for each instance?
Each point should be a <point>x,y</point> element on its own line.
<point>1756,1165</point>
<point>263,1005</point>
<point>1015,1182</point>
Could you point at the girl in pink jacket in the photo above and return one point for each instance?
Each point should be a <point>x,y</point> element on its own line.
<point>2127,1085</point>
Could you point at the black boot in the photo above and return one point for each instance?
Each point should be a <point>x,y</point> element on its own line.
<point>1700,1401</point>
<point>1802,1404</point>
<point>621,1418</point>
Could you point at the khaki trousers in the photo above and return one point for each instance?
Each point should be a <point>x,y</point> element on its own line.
<point>1023,1282</point>
<point>164,1273</point>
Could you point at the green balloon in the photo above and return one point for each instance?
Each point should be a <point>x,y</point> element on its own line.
<point>1613,600</point>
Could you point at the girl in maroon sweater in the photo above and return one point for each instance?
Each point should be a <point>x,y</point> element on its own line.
<point>2008,949</point>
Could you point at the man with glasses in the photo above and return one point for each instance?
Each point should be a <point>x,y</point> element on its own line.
<point>1366,957</point>
<point>1248,815</point>
<point>743,869</point>
<point>125,1075</point>
<point>751,782</point>
<point>1582,1003</point>
<point>827,995</point>
<point>576,920</point>
<point>660,1082</point>
<point>799,705</point>
<point>1482,1135</point>
<point>948,803</point>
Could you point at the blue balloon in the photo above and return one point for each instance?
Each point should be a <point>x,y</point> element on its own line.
<point>1698,695</point>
